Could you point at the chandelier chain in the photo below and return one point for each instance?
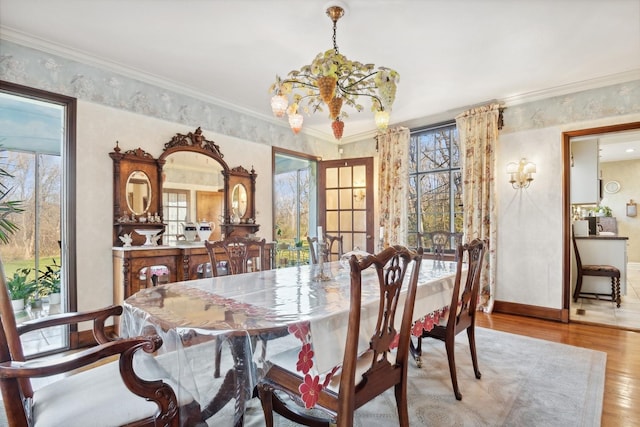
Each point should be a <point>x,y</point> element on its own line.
<point>335,42</point>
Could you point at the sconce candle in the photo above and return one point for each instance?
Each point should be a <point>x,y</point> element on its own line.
<point>319,233</point>
<point>521,174</point>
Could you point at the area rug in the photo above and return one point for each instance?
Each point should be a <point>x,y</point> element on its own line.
<point>525,382</point>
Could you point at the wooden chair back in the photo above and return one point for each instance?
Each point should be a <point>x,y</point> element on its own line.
<point>382,366</point>
<point>441,244</point>
<point>464,300</point>
<point>238,252</point>
<point>333,246</point>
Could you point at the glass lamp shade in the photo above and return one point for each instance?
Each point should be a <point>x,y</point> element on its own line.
<point>295,121</point>
<point>512,167</point>
<point>382,119</point>
<point>279,105</point>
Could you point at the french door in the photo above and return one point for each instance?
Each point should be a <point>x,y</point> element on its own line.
<point>346,201</point>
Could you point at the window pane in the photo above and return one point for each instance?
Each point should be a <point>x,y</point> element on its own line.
<point>435,187</point>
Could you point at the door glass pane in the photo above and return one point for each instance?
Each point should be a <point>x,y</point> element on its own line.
<point>360,221</point>
<point>332,221</point>
<point>346,199</point>
<point>332,199</point>
<point>359,176</point>
<point>345,177</point>
<point>331,178</point>
<point>359,241</point>
<point>346,220</point>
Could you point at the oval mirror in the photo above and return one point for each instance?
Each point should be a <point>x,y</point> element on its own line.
<point>138,192</point>
<point>239,199</point>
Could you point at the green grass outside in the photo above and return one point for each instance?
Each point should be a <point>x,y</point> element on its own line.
<point>11,266</point>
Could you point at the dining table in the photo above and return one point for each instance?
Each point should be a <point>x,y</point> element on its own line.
<point>263,315</point>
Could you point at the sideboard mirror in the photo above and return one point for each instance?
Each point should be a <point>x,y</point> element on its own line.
<point>138,192</point>
<point>189,183</point>
<point>239,200</point>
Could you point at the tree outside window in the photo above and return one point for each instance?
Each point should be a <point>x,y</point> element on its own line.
<point>435,181</point>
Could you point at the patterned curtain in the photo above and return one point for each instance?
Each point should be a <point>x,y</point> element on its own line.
<point>393,145</point>
<point>478,130</point>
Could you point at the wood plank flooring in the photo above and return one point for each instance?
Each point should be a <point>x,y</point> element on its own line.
<point>621,405</point>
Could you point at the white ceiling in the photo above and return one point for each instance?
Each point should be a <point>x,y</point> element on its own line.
<point>450,54</point>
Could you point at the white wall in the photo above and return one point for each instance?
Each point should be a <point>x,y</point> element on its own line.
<point>627,173</point>
<point>529,247</point>
<point>530,234</point>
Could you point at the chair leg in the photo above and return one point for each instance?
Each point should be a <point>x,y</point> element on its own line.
<point>616,285</point>
<point>401,403</point>
<point>416,351</point>
<point>576,292</point>
<point>450,346</point>
<point>217,357</point>
<point>265,394</point>
<point>471,334</point>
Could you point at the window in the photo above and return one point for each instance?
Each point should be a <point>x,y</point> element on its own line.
<point>37,137</point>
<point>435,181</point>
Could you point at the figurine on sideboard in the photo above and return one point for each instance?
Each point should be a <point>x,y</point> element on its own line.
<point>126,240</point>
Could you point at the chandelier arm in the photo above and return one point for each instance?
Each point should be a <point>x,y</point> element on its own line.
<point>378,100</point>
<point>301,84</point>
<point>361,80</point>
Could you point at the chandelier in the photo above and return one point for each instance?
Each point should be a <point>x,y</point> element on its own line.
<point>333,81</point>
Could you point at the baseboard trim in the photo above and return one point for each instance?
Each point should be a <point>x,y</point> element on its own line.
<point>558,315</point>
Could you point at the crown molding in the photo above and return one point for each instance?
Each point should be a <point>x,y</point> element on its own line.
<point>574,87</point>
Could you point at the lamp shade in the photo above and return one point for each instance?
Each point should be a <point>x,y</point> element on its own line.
<point>512,167</point>
<point>295,121</point>
<point>529,167</point>
<point>382,119</point>
<point>279,105</point>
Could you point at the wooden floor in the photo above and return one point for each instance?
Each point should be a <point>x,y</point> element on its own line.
<point>621,406</point>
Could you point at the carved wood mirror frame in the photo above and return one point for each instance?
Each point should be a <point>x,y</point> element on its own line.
<point>124,164</point>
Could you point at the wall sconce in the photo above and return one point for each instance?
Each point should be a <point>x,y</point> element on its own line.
<point>521,174</point>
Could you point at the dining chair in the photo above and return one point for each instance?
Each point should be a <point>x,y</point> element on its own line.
<point>462,311</point>
<point>602,270</point>
<point>441,242</point>
<point>239,253</point>
<point>90,387</point>
<point>361,376</point>
<point>329,250</point>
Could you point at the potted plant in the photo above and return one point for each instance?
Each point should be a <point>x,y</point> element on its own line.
<point>49,281</point>
<point>20,288</point>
